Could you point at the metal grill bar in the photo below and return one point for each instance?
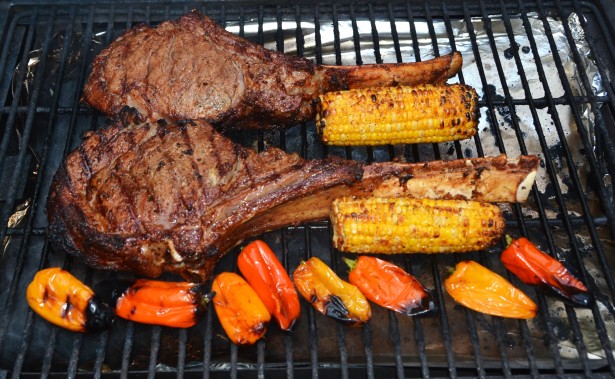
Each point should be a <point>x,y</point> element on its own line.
<point>528,94</point>
<point>100,355</point>
<point>444,320</point>
<point>393,321</point>
<point>9,126</point>
<point>260,363</point>
<point>572,317</point>
<point>288,341</point>
<point>517,210</point>
<point>470,320</point>
<point>154,346</point>
<point>523,224</point>
<point>312,316</point>
<point>4,321</point>
<point>605,198</point>
<point>522,324</point>
<point>396,341</point>
<point>207,342</point>
<point>589,220</point>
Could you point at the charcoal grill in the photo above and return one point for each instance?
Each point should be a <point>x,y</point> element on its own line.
<point>543,69</point>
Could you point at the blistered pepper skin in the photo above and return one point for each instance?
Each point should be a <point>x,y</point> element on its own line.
<point>535,267</point>
<point>482,290</point>
<point>390,286</point>
<point>329,294</point>
<point>241,312</point>
<point>267,276</point>
<point>60,298</point>
<point>155,302</point>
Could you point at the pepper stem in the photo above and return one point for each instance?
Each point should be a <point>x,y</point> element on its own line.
<point>450,270</point>
<point>206,298</point>
<point>509,240</point>
<point>352,263</point>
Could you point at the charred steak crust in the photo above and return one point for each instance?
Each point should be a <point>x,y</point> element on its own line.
<point>192,68</point>
<point>152,198</point>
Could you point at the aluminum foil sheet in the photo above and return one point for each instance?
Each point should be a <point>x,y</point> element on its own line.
<point>515,125</point>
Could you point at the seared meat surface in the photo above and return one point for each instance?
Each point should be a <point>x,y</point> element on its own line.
<point>191,68</point>
<point>156,197</point>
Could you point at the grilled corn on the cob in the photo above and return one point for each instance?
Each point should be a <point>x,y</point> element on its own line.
<point>407,225</point>
<point>392,115</point>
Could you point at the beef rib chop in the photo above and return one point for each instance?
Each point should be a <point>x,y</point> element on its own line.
<point>193,69</point>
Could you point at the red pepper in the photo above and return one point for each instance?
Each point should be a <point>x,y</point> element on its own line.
<point>266,275</point>
<point>389,286</point>
<point>482,290</point>
<point>538,268</point>
<point>172,304</point>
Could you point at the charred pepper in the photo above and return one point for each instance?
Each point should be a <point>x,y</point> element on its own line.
<point>60,298</point>
<point>241,312</point>
<point>482,290</point>
<point>266,275</point>
<point>329,294</point>
<point>155,302</point>
<point>538,268</point>
<point>389,286</point>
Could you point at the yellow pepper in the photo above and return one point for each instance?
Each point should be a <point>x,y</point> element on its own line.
<point>241,312</point>
<point>60,298</point>
<point>482,290</point>
<point>329,294</point>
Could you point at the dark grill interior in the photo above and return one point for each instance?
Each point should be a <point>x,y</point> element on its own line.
<point>565,118</point>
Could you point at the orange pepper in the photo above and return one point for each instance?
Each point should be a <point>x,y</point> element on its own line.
<point>482,290</point>
<point>154,302</point>
<point>329,294</point>
<point>241,312</point>
<point>538,268</point>
<point>269,279</point>
<point>389,286</point>
<point>60,298</point>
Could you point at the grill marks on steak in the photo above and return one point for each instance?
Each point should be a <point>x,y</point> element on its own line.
<point>192,68</point>
<point>153,197</point>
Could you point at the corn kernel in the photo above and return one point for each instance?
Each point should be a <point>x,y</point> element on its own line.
<point>405,225</point>
<point>392,115</point>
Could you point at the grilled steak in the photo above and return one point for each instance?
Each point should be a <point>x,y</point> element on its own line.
<point>150,198</point>
<point>154,197</point>
<point>192,68</point>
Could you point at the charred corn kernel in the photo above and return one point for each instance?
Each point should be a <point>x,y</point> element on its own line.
<point>60,298</point>
<point>392,115</point>
<point>407,225</point>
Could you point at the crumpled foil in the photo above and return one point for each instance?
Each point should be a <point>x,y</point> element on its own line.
<point>507,121</point>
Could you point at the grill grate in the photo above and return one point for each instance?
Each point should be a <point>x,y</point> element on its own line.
<point>44,62</point>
